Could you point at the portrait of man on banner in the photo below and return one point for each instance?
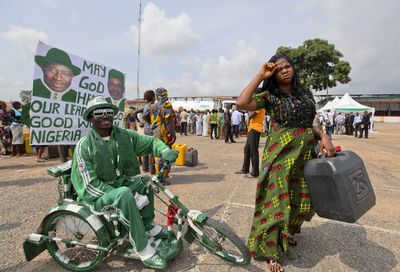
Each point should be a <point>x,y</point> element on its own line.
<point>116,89</point>
<point>58,72</point>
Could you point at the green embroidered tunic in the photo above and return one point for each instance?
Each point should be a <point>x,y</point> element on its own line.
<point>99,166</point>
<point>282,198</point>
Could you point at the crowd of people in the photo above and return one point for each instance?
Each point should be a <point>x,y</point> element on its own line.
<point>224,124</point>
<point>13,123</point>
<point>11,129</point>
<point>333,122</point>
<point>5,130</point>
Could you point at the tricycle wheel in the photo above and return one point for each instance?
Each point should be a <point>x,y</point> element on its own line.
<point>73,227</point>
<point>221,241</point>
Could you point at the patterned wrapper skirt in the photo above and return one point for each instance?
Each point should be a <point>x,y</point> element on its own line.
<point>16,131</point>
<point>282,198</point>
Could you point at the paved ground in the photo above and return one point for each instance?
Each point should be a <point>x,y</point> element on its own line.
<point>372,244</point>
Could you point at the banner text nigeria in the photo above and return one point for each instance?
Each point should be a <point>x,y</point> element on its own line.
<point>43,136</point>
<point>95,69</point>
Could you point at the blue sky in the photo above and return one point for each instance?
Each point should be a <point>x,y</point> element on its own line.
<point>195,48</point>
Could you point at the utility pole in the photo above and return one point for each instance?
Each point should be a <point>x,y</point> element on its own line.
<point>138,52</point>
<point>327,94</point>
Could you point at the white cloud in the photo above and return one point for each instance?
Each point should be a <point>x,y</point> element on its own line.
<point>221,76</point>
<point>369,43</point>
<point>26,39</point>
<point>367,33</point>
<point>161,35</point>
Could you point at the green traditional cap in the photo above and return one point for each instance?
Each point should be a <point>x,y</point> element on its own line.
<point>55,55</point>
<point>97,102</point>
<point>118,75</point>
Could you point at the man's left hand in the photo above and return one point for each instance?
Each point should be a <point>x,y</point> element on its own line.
<point>169,155</point>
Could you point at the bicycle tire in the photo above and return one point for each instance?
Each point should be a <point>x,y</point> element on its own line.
<point>72,226</point>
<point>236,252</point>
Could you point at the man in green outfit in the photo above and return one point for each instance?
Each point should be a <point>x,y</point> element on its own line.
<point>104,169</point>
<point>58,72</point>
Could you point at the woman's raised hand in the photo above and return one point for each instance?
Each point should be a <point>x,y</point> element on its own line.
<point>268,69</point>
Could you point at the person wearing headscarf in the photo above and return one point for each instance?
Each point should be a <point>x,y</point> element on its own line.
<point>282,201</point>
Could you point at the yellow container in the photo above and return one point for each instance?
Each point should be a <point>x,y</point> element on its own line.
<point>28,148</point>
<point>181,148</point>
<point>157,164</point>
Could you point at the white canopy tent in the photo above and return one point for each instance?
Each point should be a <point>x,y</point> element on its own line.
<point>330,105</point>
<point>325,107</point>
<point>348,104</point>
<point>335,101</point>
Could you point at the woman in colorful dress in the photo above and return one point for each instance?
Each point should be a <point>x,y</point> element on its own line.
<point>16,129</point>
<point>282,198</point>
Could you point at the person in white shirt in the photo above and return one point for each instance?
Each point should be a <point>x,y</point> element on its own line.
<point>267,123</point>
<point>356,123</point>
<point>236,119</point>
<point>199,123</point>
<point>206,121</point>
<point>339,122</point>
<point>184,117</point>
<point>329,122</point>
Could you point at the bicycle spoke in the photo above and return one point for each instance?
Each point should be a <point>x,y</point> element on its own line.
<point>74,228</point>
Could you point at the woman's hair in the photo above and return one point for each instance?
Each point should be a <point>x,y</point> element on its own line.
<point>270,83</point>
<point>149,95</point>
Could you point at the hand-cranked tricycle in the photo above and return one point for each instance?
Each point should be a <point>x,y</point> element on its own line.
<point>79,238</point>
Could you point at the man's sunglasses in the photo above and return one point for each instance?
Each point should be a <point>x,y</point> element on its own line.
<point>103,112</point>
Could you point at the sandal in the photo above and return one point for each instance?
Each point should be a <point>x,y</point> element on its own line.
<point>291,241</point>
<point>274,266</point>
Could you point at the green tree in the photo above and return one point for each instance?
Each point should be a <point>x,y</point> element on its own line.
<point>26,96</point>
<point>319,64</point>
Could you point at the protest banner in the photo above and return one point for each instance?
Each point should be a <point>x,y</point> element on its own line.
<point>62,86</point>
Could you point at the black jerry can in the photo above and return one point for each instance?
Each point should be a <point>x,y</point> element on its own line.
<point>191,157</point>
<point>339,186</point>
